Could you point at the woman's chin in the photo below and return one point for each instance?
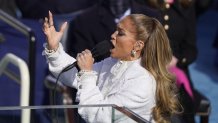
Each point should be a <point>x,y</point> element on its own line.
<point>113,54</point>
<point>111,51</point>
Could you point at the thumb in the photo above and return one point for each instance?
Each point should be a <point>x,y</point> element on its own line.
<point>63,27</point>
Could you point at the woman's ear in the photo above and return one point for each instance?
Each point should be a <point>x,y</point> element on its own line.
<point>139,45</point>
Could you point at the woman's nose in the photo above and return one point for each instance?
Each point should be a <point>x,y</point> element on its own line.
<point>113,36</point>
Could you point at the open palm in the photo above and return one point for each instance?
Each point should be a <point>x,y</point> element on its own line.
<point>53,36</point>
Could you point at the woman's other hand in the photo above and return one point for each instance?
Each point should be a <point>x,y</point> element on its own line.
<point>85,60</point>
<point>53,36</point>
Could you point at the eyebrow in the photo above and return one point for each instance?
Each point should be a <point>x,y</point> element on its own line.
<point>123,30</point>
<point>119,28</point>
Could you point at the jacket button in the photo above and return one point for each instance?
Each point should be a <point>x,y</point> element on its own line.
<point>166,17</point>
<point>166,27</point>
<point>80,86</point>
<point>167,5</point>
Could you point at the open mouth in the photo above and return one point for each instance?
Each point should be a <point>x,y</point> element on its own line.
<point>112,45</point>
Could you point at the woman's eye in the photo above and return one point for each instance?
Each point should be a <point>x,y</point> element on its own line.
<point>120,33</point>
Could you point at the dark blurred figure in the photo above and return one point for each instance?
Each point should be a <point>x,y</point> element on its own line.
<point>215,42</point>
<point>179,20</point>
<point>200,6</point>
<point>39,8</point>
<point>10,7</point>
<point>215,45</point>
<point>98,23</point>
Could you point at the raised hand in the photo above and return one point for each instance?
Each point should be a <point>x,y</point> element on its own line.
<point>53,36</point>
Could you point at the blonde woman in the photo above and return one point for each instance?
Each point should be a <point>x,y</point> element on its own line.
<point>135,76</point>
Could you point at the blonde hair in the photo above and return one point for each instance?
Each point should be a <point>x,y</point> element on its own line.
<point>155,56</point>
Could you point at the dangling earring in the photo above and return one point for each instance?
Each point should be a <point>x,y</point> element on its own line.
<point>133,53</point>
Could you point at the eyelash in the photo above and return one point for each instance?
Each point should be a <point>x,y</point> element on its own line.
<point>120,33</point>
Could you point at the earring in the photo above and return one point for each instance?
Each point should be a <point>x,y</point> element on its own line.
<point>133,53</point>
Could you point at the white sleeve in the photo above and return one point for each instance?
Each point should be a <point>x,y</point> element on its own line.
<point>57,61</point>
<point>136,93</point>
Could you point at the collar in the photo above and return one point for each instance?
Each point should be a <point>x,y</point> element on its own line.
<point>120,66</point>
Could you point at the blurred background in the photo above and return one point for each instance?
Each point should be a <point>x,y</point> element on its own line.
<point>204,70</point>
<point>21,34</point>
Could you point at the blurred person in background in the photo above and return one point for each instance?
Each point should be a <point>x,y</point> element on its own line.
<point>215,46</point>
<point>10,7</point>
<point>179,21</point>
<point>215,42</point>
<point>37,9</point>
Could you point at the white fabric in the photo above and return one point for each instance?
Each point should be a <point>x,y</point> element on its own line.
<point>111,82</point>
<point>127,12</point>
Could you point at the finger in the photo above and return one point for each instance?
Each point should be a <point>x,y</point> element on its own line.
<point>46,19</point>
<point>83,56</point>
<point>77,55</point>
<point>46,23</point>
<point>80,59</point>
<point>51,23</point>
<point>84,53</point>
<point>63,27</point>
<point>88,52</point>
<point>44,30</point>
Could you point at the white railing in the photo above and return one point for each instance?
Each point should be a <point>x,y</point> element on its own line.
<point>24,81</point>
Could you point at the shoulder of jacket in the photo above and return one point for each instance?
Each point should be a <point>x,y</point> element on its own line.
<point>136,70</point>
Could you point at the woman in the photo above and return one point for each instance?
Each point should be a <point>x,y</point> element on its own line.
<point>135,76</point>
